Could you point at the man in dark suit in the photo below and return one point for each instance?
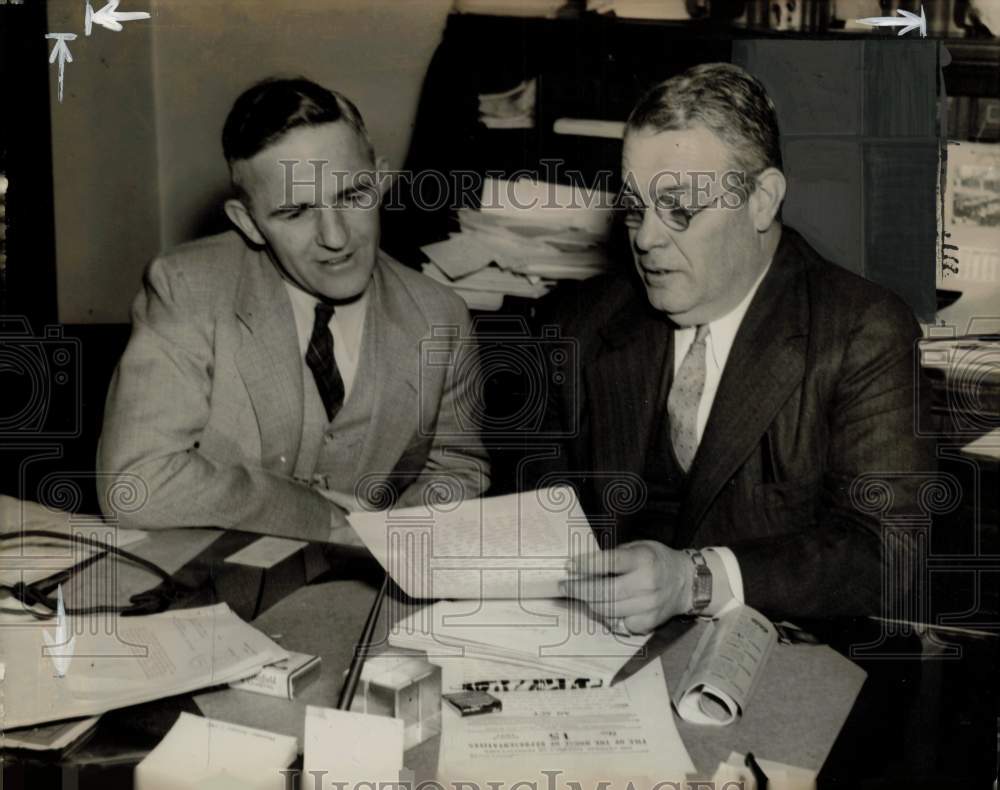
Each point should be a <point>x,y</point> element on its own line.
<point>747,389</point>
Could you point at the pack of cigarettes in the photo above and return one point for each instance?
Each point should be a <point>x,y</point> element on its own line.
<point>283,678</point>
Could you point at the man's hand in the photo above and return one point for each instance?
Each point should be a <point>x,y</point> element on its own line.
<point>633,588</point>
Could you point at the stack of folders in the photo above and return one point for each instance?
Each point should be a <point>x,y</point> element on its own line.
<point>526,236</point>
<point>504,645</point>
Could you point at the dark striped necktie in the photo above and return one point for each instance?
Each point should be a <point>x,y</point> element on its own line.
<point>323,364</point>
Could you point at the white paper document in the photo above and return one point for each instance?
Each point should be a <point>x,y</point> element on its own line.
<point>266,552</point>
<point>458,256</point>
<point>532,639</point>
<point>513,546</point>
<point>121,661</point>
<point>725,667</point>
<point>199,752</point>
<point>343,746</point>
<point>616,734</point>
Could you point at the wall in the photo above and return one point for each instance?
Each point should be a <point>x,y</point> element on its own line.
<point>375,51</point>
<point>103,165</point>
<point>136,155</point>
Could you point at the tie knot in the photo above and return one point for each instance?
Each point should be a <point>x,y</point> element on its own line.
<point>324,312</point>
<point>701,333</point>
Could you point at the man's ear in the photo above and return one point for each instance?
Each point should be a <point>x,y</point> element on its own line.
<point>240,216</point>
<point>765,200</point>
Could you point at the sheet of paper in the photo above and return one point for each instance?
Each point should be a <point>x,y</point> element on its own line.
<point>458,255</point>
<point>121,661</point>
<point>987,446</point>
<point>510,639</point>
<point>725,667</point>
<point>197,751</point>
<point>616,734</point>
<point>513,546</point>
<point>352,747</point>
<point>266,552</point>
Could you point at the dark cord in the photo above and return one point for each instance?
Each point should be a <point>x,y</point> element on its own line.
<point>39,593</point>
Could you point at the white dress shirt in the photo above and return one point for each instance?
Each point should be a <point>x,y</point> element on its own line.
<point>718,343</point>
<point>347,327</point>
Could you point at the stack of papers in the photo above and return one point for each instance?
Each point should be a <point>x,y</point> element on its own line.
<point>538,639</point>
<point>127,661</point>
<point>526,236</point>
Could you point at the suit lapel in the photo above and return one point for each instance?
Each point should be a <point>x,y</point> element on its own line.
<point>398,327</point>
<point>625,383</point>
<point>766,363</point>
<point>269,359</point>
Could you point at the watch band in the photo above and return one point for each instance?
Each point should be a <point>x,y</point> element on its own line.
<point>702,586</point>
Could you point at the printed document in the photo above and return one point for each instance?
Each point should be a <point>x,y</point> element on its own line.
<point>121,661</point>
<point>513,546</point>
<point>615,734</point>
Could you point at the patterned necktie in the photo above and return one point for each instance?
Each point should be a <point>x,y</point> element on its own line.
<point>685,395</point>
<point>322,363</point>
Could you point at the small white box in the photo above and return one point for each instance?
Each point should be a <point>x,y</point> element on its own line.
<point>406,687</point>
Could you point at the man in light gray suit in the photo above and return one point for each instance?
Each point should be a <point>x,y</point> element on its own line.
<point>275,376</point>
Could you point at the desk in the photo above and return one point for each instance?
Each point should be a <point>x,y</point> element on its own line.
<point>325,618</point>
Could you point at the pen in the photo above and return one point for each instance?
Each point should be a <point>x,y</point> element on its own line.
<point>361,650</point>
<point>759,777</point>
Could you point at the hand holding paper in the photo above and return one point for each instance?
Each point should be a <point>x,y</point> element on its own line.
<point>636,587</point>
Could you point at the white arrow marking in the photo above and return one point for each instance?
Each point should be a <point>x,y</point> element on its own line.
<point>908,21</point>
<point>109,17</point>
<point>61,640</point>
<point>61,51</point>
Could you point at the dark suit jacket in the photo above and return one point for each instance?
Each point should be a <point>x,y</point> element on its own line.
<point>818,395</point>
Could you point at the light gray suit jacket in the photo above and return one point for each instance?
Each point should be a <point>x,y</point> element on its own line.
<point>205,411</point>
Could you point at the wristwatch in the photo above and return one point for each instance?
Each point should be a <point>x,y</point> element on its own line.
<point>702,587</point>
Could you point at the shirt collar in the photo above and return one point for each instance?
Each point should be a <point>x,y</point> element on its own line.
<point>349,317</point>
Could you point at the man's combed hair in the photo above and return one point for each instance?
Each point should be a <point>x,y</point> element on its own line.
<point>272,108</point>
<point>723,98</point>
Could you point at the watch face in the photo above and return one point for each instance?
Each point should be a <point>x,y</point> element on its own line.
<point>702,584</point>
